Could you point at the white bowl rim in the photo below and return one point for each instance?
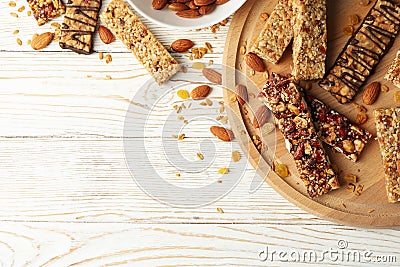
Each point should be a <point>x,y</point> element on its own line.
<point>190,27</point>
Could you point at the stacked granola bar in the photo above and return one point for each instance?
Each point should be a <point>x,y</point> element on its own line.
<point>126,25</point>
<point>363,51</point>
<point>393,74</point>
<point>284,98</point>
<point>276,33</point>
<point>388,132</point>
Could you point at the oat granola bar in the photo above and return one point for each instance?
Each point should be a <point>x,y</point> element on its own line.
<point>363,51</point>
<point>338,131</point>
<point>388,133</point>
<point>393,74</point>
<point>46,10</point>
<point>310,39</point>
<point>79,25</point>
<point>276,33</point>
<point>284,98</point>
<point>121,20</point>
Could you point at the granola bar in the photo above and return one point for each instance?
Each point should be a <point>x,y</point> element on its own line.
<point>338,131</point>
<point>121,20</point>
<point>393,74</point>
<point>276,34</point>
<point>79,25</point>
<point>46,10</point>
<point>284,98</point>
<point>388,132</point>
<point>310,39</point>
<point>363,51</point>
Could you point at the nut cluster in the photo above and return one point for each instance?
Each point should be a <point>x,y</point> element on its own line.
<point>188,9</point>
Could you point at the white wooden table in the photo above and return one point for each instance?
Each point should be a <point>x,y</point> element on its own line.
<point>67,197</point>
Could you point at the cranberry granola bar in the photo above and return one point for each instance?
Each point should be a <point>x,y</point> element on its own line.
<point>45,10</point>
<point>126,25</point>
<point>337,130</point>
<point>284,98</point>
<point>363,51</point>
<point>388,132</point>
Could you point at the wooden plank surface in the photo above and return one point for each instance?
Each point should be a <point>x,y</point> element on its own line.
<point>67,197</point>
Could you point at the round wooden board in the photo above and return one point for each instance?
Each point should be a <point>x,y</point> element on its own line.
<point>370,209</point>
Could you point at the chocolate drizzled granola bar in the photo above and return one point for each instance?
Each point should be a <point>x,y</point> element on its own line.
<point>363,51</point>
<point>284,98</point>
<point>393,74</point>
<point>310,39</point>
<point>45,10</point>
<point>388,132</point>
<point>276,33</point>
<point>337,131</point>
<point>79,25</point>
<point>126,25</point>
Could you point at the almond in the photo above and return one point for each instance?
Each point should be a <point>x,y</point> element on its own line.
<point>200,92</point>
<point>177,7</point>
<point>203,2</point>
<point>212,75</point>
<point>371,93</point>
<point>188,14</point>
<point>221,2</point>
<point>222,133</point>
<point>159,4</point>
<point>182,45</point>
<point>261,116</point>
<point>242,94</point>
<point>41,41</point>
<point>255,62</point>
<point>204,10</point>
<point>105,35</point>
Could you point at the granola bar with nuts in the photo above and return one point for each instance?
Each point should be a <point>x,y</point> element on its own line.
<point>46,10</point>
<point>276,33</point>
<point>393,74</point>
<point>284,98</point>
<point>126,25</point>
<point>363,51</point>
<point>388,133</point>
<point>337,130</point>
<point>79,25</point>
<point>310,39</point>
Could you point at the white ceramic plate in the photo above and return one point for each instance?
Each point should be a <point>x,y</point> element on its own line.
<point>167,18</point>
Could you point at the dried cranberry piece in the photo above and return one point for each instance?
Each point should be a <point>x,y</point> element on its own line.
<point>299,152</point>
<point>342,133</point>
<point>315,143</point>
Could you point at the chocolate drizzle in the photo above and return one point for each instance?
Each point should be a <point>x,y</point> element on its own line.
<point>80,20</point>
<point>365,48</point>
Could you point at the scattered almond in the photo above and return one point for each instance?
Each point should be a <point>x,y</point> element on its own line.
<point>212,75</point>
<point>242,95</point>
<point>261,116</point>
<point>41,41</point>
<point>255,62</point>
<point>105,35</point>
<point>182,45</point>
<point>222,133</point>
<point>200,92</point>
<point>371,93</point>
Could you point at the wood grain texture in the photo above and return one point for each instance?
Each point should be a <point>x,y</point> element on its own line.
<point>371,208</point>
<point>123,244</point>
